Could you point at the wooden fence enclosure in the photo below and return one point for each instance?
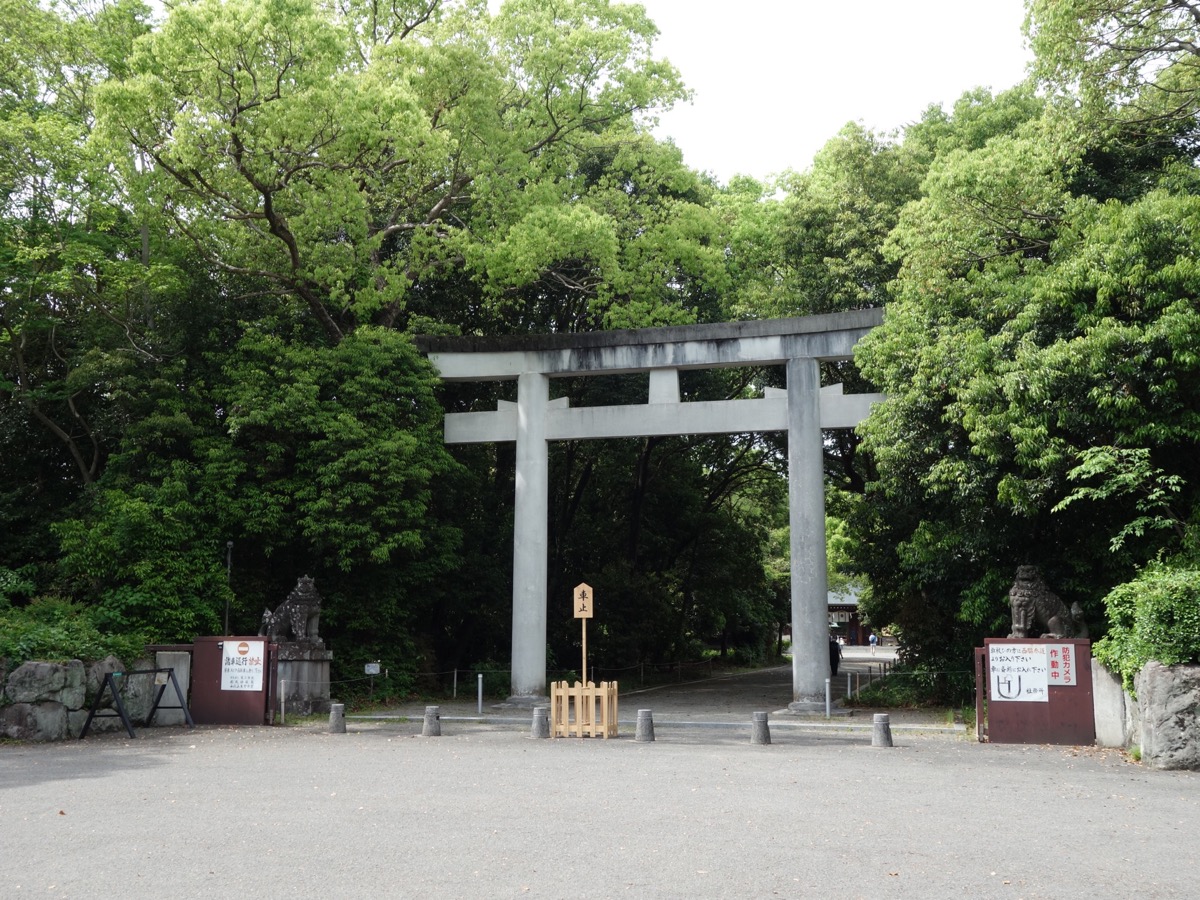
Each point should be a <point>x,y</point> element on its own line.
<point>583,710</point>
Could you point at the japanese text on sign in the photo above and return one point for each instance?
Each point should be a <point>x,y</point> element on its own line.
<point>1018,672</point>
<point>584,601</point>
<point>1060,663</point>
<point>242,666</point>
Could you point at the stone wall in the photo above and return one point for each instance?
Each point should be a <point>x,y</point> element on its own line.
<point>45,701</point>
<point>1163,722</point>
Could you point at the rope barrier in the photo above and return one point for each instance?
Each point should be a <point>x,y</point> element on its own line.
<point>330,682</point>
<point>658,668</point>
<point>654,667</point>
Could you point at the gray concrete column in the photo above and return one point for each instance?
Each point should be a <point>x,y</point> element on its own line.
<point>541,723</point>
<point>760,731</point>
<point>645,726</point>
<point>530,541</point>
<point>881,731</point>
<point>337,718</point>
<point>806,515</point>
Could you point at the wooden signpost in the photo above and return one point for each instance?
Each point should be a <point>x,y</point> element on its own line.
<point>585,602</point>
<point>595,707</point>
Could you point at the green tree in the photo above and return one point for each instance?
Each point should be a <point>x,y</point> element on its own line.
<point>333,451</point>
<point>1139,59</point>
<point>344,157</point>
<point>1155,616</point>
<point>68,253</point>
<point>323,462</point>
<point>75,275</point>
<point>428,167</point>
<point>835,219</point>
<point>1031,324</point>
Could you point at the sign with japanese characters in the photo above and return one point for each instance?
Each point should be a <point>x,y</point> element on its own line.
<point>1060,664</point>
<point>242,665</point>
<point>584,601</point>
<point>1019,672</point>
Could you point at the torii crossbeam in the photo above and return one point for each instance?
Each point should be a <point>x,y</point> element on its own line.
<point>802,410</point>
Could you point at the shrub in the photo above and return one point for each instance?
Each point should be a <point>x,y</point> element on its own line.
<point>58,630</point>
<point>909,688</point>
<point>1154,617</point>
<point>15,584</point>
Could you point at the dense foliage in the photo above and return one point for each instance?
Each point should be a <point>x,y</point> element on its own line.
<point>1040,350</point>
<point>220,229</point>
<point>1154,617</point>
<point>57,630</point>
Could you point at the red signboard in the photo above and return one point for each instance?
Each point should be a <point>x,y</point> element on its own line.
<point>230,680</point>
<point>1036,691</point>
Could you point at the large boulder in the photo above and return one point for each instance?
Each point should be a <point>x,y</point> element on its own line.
<point>43,721</point>
<point>37,682</point>
<point>95,676</point>
<point>32,682</point>
<point>16,721</point>
<point>137,692</point>
<point>1169,702</point>
<point>74,690</point>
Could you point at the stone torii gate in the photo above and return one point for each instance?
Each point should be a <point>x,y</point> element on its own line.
<point>802,410</point>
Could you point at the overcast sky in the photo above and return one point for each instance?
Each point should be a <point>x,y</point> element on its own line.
<point>775,79</point>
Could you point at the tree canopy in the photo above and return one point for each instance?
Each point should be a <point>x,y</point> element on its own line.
<point>222,225</point>
<point>345,157</point>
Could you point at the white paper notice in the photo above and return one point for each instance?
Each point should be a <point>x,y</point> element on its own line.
<point>1018,672</point>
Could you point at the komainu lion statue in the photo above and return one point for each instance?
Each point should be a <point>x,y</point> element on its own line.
<point>1039,612</point>
<point>298,617</point>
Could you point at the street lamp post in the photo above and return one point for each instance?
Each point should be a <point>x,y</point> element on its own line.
<point>228,578</point>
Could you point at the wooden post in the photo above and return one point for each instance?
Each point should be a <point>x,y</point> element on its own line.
<point>583,601</point>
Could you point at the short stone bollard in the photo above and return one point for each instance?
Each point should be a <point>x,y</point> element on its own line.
<point>645,726</point>
<point>761,733</point>
<point>881,732</point>
<point>541,722</point>
<point>337,718</point>
<point>432,726</point>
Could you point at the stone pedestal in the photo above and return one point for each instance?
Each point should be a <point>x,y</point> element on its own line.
<point>304,677</point>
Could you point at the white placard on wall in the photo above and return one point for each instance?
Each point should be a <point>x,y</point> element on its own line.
<point>242,665</point>
<point>1018,672</point>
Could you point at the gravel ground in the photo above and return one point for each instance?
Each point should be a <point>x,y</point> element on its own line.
<point>727,700</point>
<point>486,811</point>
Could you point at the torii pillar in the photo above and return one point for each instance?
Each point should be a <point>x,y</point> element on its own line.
<point>806,519</point>
<point>802,410</point>
<point>531,542</point>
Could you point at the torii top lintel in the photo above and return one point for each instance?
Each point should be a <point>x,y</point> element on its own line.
<point>760,342</point>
